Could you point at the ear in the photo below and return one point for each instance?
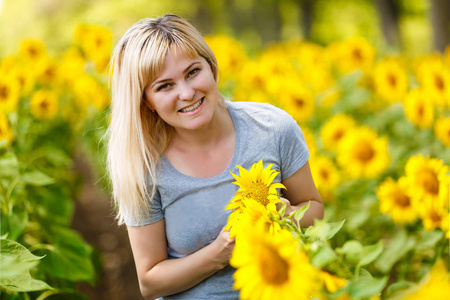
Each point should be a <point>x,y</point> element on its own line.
<point>147,103</point>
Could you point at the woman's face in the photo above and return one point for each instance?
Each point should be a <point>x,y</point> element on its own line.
<point>184,94</point>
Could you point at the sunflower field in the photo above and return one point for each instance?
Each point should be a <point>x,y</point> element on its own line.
<point>377,127</point>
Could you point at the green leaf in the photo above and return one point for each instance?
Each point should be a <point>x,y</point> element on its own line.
<point>399,287</point>
<point>71,257</point>
<point>54,206</point>
<point>324,256</point>
<point>370,253</point>
<point>15,258</point>
<point>57,157</point>
<point>429,239</point>
<point>9,165</point>
<point>358,219</point>
<point>14,224</point>
<point>352,250</point>
<point>395,250</point>
<point>37,178</point>
<point>322,230</point>
<point>365,287</point>
<point>24,283</point>
<point>282,210</point>
<point>16,262</point>
<point>298,214</point>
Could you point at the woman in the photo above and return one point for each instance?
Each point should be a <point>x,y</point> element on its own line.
<point>173,141</point>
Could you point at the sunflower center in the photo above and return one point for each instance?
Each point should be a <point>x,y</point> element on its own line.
<point>402,200</point>
<point>49,72</point>
<point>365,152</point>
<point>438,82</point>
<point>274,268</point>
<point>299,102</point>
<point>259,192</point>
<point>435,217</point>
<point>430,182</point>
<point>4,92</point>
<point>324,174</point>
<point>98,42</point>
<point>32,51</point>
<point>420,110</point>
<point>337,135</point>
<point>258,82</point>
<point>392,80</point>
<point>43,105</point>
<point>357,55</point>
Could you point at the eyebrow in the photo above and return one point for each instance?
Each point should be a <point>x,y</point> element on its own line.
<point>167,79</point>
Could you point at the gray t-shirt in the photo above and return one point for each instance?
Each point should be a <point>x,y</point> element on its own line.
<point>193,208</point>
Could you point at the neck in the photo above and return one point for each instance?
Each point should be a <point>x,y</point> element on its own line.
<point>220,126</point>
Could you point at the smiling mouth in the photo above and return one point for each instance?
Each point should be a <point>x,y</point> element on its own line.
<point>192,107</point>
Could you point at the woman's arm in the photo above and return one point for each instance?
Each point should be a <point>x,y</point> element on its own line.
<point>300,189</point>
<point>160,276</point>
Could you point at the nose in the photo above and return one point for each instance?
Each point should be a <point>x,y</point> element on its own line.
<point>185,91</point>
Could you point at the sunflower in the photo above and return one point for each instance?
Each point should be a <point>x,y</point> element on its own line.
<point>32,50</point>
<point>44,104</point>
<point>325,174</point>
<point>89,91</point>
<point>48,71</point>
<point>395,199</point>
<point>271,267</point>
<point>95,41</point>
<point>390,80</point>
<point>9,93</point>
<point>419,108</point>
<point>442,130</point>
<point>251,213</point>
<point>447,54</point>
<point>331,282</point>
<point>297,100</point>
<point>363,153</point>
<point>429,181</point>
<point>436,83</point>
<point>433,218</point>
<point>5,130</point>
<point>230,55</point>
<point>435,285</point>
<point>253,76</point>
<point>352,54</point>
<point>72,65</point>
<point>334,130</point>
<point>255,184</point>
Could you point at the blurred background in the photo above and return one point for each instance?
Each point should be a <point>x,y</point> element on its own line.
<point>413,26</point>
<point>95,260</point>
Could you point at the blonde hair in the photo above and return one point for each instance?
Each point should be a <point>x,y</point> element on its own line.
<point>137,136</point>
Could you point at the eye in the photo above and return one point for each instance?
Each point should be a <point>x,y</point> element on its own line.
<point>193,72</point>
<point>163,87</point>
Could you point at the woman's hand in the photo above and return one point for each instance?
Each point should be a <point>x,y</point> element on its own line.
<point>289,208</point>
<point>222,248</point>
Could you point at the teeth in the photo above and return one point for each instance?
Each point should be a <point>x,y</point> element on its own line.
<point>193,107</point>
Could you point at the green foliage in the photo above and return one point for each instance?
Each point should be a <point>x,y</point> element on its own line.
<point>39,250</point>
<point>16,263</point>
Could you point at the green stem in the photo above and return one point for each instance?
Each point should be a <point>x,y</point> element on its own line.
<point>46,294</point>
<point>11,187</point>
<point>40,247</point>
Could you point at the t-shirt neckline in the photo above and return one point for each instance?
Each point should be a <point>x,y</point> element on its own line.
<point>234,158</point>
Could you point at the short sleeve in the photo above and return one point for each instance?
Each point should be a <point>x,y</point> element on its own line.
<point>155,213</point>
<point>291,143</point>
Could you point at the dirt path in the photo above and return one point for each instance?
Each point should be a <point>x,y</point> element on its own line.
<point>94,220</point>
